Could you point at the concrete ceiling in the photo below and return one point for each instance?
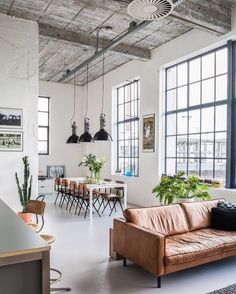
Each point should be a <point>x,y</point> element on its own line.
<point>68,31</point>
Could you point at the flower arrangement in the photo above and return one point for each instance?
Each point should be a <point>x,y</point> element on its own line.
<point>94,165</point>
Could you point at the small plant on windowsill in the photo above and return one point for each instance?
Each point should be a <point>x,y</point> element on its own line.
<point>179,189</point>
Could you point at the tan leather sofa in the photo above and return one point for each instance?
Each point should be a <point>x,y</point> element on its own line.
<point>166,239</point>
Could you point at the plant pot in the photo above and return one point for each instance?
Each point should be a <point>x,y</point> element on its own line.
<point>25,216</point>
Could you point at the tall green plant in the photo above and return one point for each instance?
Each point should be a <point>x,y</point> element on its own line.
<point>174,188</point>
<point>24,191</point>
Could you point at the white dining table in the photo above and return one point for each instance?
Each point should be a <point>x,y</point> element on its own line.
<point>101,185</point>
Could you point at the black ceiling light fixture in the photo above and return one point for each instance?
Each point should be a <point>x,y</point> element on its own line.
<point>86,137</point>
<point>102,134</point>
<point>73,139</point>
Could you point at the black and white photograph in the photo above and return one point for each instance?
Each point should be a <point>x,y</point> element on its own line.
<point>11,118</point>
<point>11,141</point>
<point>55,171</point>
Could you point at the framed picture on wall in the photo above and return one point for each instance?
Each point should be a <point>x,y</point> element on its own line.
<point>11,141</point>
<point>56,171</point>
<point>11,118</point>
<point>149,133</point>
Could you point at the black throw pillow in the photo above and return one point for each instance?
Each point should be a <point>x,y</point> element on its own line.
<point>223,219</point>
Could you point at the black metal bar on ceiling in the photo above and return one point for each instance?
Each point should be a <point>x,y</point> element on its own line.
<point>131,30</point>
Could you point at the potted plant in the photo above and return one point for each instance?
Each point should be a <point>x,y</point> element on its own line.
<point>24,190</point>
<point>94,165</point>
<point>179,189</point>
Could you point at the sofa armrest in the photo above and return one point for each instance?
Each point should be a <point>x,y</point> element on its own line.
<point>142,246</point>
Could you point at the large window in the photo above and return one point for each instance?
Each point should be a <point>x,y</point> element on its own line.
<point>127,126</point>
<point>43,125</point>
<point>196,115</point>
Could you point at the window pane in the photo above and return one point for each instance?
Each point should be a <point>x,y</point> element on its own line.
<point>171,78</point>
<point>121,132</point>
<point>221,88</point>
<point>171,100</point>
<point>134,129</point>
<point>221,61</point>
<point>134,109</point>
<point>127,93</point>
<point>171,124</point>
<point>182,97</point>
<point>127,131</point>
<point>42,119</point>
<point>193,166</point>
<point>207,168</point>
<point>221,118</point>
<point>42,134</point>
<point>207,145</point>
<point>127,110</point>
<point>194,121</point>
<point>135,148</point>
<point>182,122</point>
<point>220,145</point>
<point>194,146</point>
<point>171,146</point>
<point>208,91</point>
<point>182,150</point>
<point>208,119</point>
<point>121,112</point>
<point>121,95</point>
<point>208,65</point>
<point>42,147</point>
<point>194,94</point>
<point>194,70</point>
<point>220,169</point>
<point>170,166</point>
<point>182,74</point>
<point>43,104</point>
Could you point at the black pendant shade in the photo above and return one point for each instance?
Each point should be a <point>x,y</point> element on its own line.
<point>102,135</point>
<point>86,137</point>
<point>73,139</point>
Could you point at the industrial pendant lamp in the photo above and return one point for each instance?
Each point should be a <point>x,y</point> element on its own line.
<point>86,137</point>
<point>73,139</point>
<point>102,134</point>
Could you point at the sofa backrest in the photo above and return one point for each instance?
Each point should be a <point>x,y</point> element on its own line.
<point>199,213</point>
<point>167,220</point>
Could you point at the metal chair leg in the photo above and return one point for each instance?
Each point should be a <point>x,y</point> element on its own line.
<point>158,282</point>
<point>55,202</point>
<point>53,281</point>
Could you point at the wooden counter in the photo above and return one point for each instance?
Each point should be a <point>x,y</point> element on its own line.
<point>24,257</point>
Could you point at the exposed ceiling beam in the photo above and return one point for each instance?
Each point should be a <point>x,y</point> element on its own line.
<point>112,44</point>
<point>78,38</point>
<point>211,15</point>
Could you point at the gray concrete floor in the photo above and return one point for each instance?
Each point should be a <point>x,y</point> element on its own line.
<point>81,252</point>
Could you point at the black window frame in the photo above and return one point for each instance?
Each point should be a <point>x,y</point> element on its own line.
<point>197,107</point>
<point>45,127</point>
<point>133,159</point>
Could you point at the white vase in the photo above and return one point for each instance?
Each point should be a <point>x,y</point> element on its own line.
<point>182,200</point>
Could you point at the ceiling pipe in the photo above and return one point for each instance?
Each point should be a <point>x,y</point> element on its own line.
<point>131,30</point>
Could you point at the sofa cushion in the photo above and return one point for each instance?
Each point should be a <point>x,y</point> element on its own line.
<point>199,213</point>
<point>167,220</point>
<point>196,245</point>
<point>223,218</point>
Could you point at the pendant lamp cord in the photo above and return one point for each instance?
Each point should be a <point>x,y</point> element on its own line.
<point>87,93</point>
<point>71,120</point>
<point>103,82</point>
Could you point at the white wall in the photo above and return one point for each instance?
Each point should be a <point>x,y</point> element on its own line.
<point>150,73</point>
<point>19,89</point>
<point>61,112</point>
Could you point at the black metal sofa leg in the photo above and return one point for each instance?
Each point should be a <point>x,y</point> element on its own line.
<point>158,282</point>
<point>124,261</point>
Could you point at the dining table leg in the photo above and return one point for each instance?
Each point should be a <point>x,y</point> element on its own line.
<point>91,204</point>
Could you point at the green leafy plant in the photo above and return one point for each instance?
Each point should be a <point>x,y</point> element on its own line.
<point>174,188</point>
<point>94,165</point>
<point>24,191</point>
